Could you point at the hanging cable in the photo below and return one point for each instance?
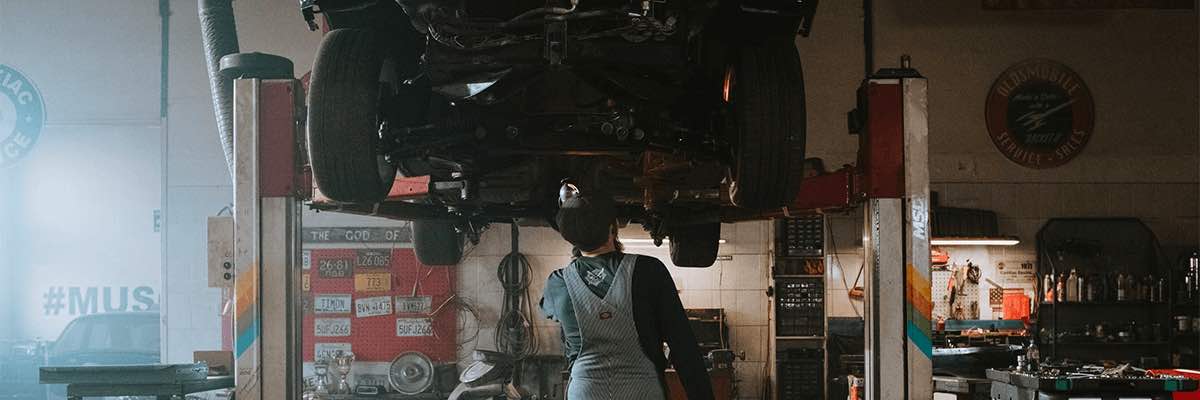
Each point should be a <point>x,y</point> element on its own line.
<point>515,334</point>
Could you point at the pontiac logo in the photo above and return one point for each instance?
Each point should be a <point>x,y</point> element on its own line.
<point>1040,114</point>
<point>22,115</point>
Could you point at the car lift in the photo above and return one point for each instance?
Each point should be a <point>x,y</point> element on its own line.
<point>891,181</point>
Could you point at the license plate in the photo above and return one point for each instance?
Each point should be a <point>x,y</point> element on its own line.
<point>373,282</point>
<point>335,268</point>
<point>372,306</point>
<point>325,351</point>
<point>374,258</point>
<point>331,304</point>
<point>331,327</point>
<point>370,380</point>
<point>414,305</point>
<point>414,327</point>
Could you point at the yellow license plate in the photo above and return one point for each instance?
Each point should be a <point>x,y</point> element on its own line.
<point>373,282</point>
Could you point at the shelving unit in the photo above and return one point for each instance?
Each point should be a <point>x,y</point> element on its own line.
<point>1185,346</point>
<point>1103,247</point>
<point>799,324</point>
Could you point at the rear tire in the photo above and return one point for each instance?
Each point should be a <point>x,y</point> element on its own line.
<point>767,97</point>
<point>437,243</point>
<point>695,246</point>
<point>344,116</point>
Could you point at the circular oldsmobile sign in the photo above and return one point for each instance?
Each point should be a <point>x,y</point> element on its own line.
<point>1040,114</point>
<point>22,115</point>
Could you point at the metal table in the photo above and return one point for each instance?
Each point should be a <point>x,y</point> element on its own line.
<point>163,391</point>
<point>963,388</point>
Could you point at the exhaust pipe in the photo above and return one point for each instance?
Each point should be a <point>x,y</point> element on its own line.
<point>219,33</point>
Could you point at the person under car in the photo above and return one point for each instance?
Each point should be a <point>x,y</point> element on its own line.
<point>610,303</point>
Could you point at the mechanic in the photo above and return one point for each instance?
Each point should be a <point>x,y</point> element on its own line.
<point>609,303</point>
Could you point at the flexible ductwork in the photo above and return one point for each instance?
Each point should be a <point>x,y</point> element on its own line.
<point>219,33</point>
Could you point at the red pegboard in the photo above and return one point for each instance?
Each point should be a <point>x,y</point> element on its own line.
<point>374,338</point>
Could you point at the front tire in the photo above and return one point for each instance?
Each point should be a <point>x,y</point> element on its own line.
<point>344,118</point>
<point>765,87</point>
<point>437,243</point>
<point>695,246</point>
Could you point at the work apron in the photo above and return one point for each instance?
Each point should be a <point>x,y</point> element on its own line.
<point>611,364</point>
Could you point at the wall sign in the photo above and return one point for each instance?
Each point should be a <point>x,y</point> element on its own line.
<point>22,115</point>
<point>400,234</point>
<point>1040,114</point>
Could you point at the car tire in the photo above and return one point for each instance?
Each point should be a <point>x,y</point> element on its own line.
<point>344,116</point>
<point>437,243</point>
<point>767,98</point>
<point>695,246</point>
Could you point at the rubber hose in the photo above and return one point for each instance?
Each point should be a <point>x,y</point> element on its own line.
<point>219,34</point>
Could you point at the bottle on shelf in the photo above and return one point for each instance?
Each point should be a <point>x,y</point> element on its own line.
<point>1048,287</point>
<point>1072,287</point>
<point>1162,290</point>
<point>1092,288</point>
<point>1081,290</point>
<point>1060,288</point>
<point>1121,287</point>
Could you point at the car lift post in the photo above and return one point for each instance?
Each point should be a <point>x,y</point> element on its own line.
<point>894,162</point>
<point>268,186</point>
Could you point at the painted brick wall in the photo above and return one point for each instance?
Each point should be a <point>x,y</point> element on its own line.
<point>1140,65</point>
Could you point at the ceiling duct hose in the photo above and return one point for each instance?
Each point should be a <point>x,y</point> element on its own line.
<point>219,33</point>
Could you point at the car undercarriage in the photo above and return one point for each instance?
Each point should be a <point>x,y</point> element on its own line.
<point>677,109</point>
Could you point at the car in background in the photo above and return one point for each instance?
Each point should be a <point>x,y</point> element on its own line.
<point>105,339</point>
<point>684,111</point>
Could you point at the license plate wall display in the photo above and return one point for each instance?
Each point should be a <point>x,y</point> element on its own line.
<point>385,319</point>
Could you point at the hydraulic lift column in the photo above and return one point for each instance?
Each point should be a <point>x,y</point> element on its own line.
<point>894,160</point>
<point>268,150</point>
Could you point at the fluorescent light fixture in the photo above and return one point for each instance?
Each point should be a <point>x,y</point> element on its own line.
<point>651,241</point>
<point>976,241</point>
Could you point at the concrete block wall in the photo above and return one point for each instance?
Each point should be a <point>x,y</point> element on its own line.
<point>738,285</point>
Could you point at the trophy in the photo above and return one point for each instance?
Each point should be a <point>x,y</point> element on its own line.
<point>321,369</point>
<point>342,361</point>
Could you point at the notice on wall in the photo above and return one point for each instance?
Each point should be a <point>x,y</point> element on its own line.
<point>335,268</point>
<point>305,282</point>
<point>331,304</point>
<point>414,305</point>
<point>1016,273</point>
<point>400,234</point>
<point>306,259</point>
<point>373,282</point>
<point>331,327</point>
<point>327,350</point>
<point>414,327</point>
<point>373,306</point>
<point>373,258</point>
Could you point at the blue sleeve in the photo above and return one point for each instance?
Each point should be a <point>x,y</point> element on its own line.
<point>554,294</point>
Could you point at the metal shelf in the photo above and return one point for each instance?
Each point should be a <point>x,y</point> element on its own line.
<point>800,337</point>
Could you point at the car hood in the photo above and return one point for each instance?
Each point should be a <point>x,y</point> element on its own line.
<point>102,358</point>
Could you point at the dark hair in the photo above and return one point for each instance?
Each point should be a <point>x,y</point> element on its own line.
<point>586,222</point>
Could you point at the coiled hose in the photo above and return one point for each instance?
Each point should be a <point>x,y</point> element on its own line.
<point>515,334</point>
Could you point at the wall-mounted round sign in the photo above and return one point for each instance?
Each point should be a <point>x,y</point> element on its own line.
<point>1040,114</point>
<point>22,115</point>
